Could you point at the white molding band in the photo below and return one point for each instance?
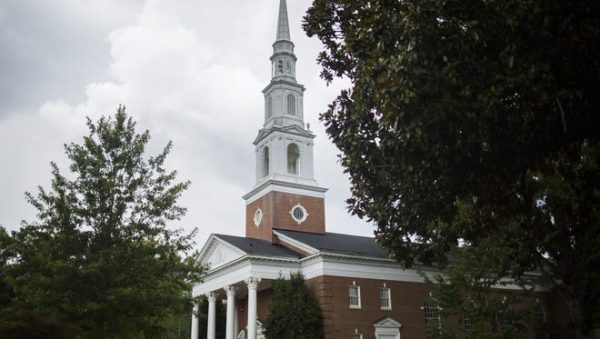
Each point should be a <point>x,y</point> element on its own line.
<point>295,243</point>
<point>271,185</point>
<point>315,265</point>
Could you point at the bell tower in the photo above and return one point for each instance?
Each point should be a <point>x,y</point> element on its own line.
<point>285,195</point>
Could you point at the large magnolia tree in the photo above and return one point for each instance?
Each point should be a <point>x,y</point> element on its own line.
<point>473,123</point>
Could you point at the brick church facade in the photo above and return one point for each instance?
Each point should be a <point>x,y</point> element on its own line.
<point>363,293</point>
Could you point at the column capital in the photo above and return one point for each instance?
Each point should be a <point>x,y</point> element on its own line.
<point>211,296</point>
<point>252,282</point>
<point>230,290</point>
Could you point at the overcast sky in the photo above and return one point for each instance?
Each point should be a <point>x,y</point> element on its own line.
<point>190,71</point>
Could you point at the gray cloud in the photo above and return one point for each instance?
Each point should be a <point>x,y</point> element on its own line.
<point>189,71</point>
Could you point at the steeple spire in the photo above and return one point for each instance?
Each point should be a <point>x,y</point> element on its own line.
<point>283,26</point>
<point>286,194</point>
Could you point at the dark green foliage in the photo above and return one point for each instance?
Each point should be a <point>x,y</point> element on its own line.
<point>474,123</point>
<point>100,257</point>
<point>294,313</point>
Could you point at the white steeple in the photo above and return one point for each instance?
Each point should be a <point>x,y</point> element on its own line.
<point>284,147</point>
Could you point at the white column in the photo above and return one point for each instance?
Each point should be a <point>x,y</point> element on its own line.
<point>230,323</point>
<point>210,326</point>
<point>195,324</point>
<point>252,304</point>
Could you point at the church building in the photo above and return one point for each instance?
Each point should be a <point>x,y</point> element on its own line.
<point>362,292</point>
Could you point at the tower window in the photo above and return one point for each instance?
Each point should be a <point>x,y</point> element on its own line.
<point>280,66</point>
<point>299,213</point>
<point>293,157</point>
<point>291,104</point>
<point>265,168</point>
<point>269,107</point>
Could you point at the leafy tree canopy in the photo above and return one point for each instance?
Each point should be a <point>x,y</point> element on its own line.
<point>473,123</point>
<point>101,257</point>
<point>293,312</point>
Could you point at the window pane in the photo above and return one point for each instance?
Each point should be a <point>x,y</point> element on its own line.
<point>384,297</point>
<point>354,296</point>
<point>432,319</point>
<point>291,101</point>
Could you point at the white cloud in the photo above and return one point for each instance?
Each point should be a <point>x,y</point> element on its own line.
<point>190,71</point>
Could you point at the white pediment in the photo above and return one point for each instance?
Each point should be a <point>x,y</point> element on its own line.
<point>217,252</point>
<point>387,323</point>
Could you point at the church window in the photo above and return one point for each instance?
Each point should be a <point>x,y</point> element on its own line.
<point>385,302</point>
<point>299,213</point>
<point>265,168</point>
<point>504,314</point>
<point>269,107</point>
<point>293,158</point>
<point>280,66</point>
<point>258,216</point>
<point>468,327</point>
<point>354,295</point>
<point>291,104</point>
<point>540,320</point>
<point>433,321</point>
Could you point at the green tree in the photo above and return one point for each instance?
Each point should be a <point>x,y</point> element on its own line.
<point>101,256</point>
<point>293,313</point>
<point>473,123</point>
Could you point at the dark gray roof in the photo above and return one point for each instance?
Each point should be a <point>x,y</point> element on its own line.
<point>258,246</point>
<point>338,243</point>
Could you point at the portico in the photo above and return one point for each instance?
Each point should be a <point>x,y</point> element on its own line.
<point>239,271</point>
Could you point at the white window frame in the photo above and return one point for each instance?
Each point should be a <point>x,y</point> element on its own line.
<point>350,288</point>
<point>389,298</point>
<point>430,304</point>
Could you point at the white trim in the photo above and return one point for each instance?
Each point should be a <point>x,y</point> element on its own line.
<point>244,268</point>
<point>270,184</point>
<point>213,242</point>
<point>387,327</point>
<point>295,243</point>
<point>357,288</point>
<point>258,217</point>
<point>304,213</point>
<point>312,266</point>
<point>389,298</point>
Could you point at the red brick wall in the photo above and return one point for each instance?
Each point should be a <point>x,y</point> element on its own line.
<point>276,207</point>
<point>340,320</point>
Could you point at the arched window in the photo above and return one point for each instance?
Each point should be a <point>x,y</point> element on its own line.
<point>293,157</point>
<point>265,168</point>
<point>291,104</point>
<point>269,107</point>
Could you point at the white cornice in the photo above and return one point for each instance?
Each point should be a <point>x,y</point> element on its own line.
<point>316,265</point>
<point>284,187</point>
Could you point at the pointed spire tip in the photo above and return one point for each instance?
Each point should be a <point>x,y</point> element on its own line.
<point>283,26</point>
